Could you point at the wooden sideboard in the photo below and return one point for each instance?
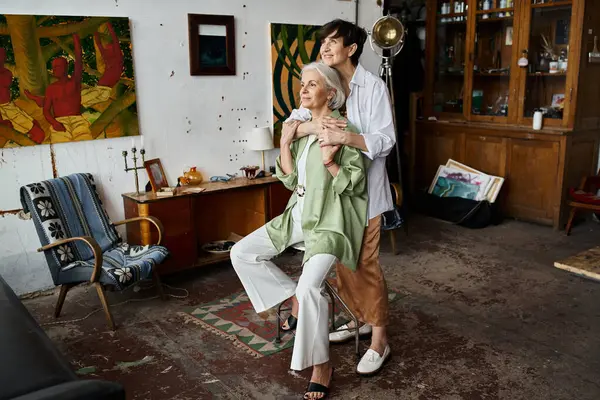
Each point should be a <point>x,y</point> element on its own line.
<point>238,207</point>
<point>539,166</point>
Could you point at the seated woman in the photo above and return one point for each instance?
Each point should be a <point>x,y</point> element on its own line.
<point>327,212</point>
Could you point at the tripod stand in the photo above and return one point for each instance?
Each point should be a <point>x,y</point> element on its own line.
<point>388,36</point>
<point>385,73</point>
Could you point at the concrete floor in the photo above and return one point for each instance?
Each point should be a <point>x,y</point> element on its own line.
<point>486,316</point>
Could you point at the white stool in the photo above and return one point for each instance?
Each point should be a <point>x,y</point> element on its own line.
<point>333,295</point>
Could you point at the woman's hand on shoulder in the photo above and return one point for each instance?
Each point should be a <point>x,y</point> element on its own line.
<point>332,131</point>
<point>330,122</point>
<point>332,137</point>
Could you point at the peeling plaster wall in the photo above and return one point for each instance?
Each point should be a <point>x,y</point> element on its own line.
<point>185,120</point>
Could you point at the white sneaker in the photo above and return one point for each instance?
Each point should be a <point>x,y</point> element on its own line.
<point>342,335</point>
<point>372,362</point>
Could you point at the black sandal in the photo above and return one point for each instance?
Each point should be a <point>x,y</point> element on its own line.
<point>318,388</point>
<point>292,322</point>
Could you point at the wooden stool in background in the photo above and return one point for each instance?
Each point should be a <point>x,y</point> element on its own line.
<point>584,198</point>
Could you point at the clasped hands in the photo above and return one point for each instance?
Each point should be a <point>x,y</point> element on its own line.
<point>330,134</point>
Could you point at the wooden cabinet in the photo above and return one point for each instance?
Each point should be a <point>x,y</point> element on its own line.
<point>479,99</point>
<point>538,166</point>
<point>533,171</point>
<point>486,153</point>
<point>237,207</point>
<point>433,150</point>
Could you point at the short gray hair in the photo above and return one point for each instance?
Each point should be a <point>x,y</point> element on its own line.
<point>332,82</point>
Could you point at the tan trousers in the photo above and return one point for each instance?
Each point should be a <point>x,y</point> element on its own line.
<point>364,290</point>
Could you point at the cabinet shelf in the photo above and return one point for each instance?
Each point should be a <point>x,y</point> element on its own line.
<point>495,19</point>
<point>552,4</point>
<point>440,16</point>
<point>532,74</point>
<point>493,74</point>
<point>209,258</point>
<point>453,23</point>
<point>495,10</point>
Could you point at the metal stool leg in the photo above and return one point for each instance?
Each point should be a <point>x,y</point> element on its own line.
<point>280,320</point>
<point>356,336</point>
<point>332,312</point>
<point>334,295</point>
<point>278,338</point>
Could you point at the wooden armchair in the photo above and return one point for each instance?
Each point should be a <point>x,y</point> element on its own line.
<point>584,198</point>
<point>82,245</point>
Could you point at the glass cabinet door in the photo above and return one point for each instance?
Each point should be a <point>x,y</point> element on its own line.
<point>450,50</point>
<point>548,56</point>
<point>492,59</point>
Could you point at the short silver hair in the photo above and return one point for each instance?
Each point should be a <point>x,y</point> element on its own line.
<point>332,82</point>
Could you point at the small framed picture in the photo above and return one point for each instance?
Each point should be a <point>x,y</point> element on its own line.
<point>156,174</point>
<point>212,44</point>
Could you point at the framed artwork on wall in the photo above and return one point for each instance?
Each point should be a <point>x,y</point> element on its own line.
<point>84,63</point>
<point>292,47</point>
<point>212,44</point>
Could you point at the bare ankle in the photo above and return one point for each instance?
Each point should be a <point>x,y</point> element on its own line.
<point>322,372</point>
<point>295,306</point>
<point>380,334</point>
<point>323,366</point>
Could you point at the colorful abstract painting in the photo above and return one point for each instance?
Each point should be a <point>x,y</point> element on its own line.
<point>292,46</point>
<point>65,79</point>
<point>447,187</point>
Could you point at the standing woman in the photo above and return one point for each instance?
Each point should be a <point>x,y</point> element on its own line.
<point>369,108</point>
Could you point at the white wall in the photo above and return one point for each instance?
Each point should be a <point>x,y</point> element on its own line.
<point>179,115</point>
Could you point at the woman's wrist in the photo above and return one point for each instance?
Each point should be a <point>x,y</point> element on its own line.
<point>329,163</point>
<point>345,138</point>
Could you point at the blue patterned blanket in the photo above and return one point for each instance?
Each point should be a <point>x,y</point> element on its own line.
<point>69,206</point>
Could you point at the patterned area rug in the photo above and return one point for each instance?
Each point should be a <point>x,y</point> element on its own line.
<point>234,318</point>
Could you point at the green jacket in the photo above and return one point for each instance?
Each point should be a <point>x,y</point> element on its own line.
<point>335,209</point>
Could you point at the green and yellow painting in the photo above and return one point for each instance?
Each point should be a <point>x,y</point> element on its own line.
<point>292,46</point>
<point>65,79</point>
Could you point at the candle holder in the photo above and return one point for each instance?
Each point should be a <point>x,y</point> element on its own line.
<point>135,167</point>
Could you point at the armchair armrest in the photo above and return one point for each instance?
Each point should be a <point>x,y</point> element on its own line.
<point>154,220</point>
<point>398,192</point>
<point>90,241</point>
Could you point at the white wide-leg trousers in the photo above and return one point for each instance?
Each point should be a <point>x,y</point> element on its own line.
<point>267,286</point>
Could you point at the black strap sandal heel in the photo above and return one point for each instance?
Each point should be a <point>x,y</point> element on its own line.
<point>292,322</point>
<point>318,389</point>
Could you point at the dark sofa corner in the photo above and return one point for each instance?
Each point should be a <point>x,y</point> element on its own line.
<point>31,368</point>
